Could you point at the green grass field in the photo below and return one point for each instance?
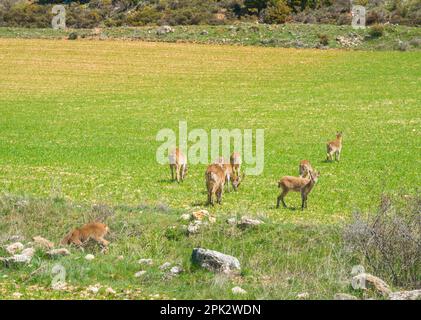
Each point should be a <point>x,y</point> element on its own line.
<point>79,119</point>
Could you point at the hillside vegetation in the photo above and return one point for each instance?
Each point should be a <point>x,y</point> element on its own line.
<point>377,37</point>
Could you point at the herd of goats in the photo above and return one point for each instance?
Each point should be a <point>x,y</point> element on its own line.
<point>222,172</point>
<point>219,174</point>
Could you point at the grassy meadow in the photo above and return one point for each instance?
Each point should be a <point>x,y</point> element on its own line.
<point>78,121</point>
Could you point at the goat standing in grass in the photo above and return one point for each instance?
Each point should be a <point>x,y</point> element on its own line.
<point>334,147</point>
<point>178,165</point>
<point>297,184</point>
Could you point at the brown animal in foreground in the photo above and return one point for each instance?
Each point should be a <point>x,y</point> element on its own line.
<point>334,147</point>
<point>231,170</point>
<point>297,184</point>
<point>215,180</point>
<point>305,168</point>
<point>178,163</point>
<point>80,236</point>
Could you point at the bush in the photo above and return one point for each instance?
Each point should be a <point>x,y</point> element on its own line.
<point>143,16</point>
<point>376,30</point>
<point>72,36</point>
<point>390,241</point>
<point>323,39</point>
<point>276,12</point>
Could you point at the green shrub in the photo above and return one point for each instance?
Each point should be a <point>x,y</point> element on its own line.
<point>276,12</point>
<point>376,30</point>
<point>72,36</point>
<point>323,39</point>
<point>143,16</point>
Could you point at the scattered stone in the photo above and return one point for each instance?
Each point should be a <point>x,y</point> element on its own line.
<point>194,227</point>
<point>232,221</point>
<point>248,222</point>
<point>14,247</point>
<point>366,281</point>
<point>352,40</point>
<point>405,295</point>
<point>164,30</point>
<point>58,252</point>
<point>344,296</point>
<point>238,290</point>
<point>24,257</point>
<point>17,295</point>
<point>89,257</point>
<point>204,32</point>
<point>110,290</point>
<point>165,266</point>
<point>176,270</point>
<point>93,289</point>
<point>212,219</point>
<point>59,285</point>
<point>304,295</point>
<point>200,215</point>
<point>215,261</point>
<point>148,262</point>
<point>139,274</point>
<point>119,258</point>
<point>43,243</point>
<point>186,217</point>
<point>16,238</point>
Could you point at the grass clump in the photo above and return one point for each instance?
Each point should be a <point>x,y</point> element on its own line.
<point>389,241</point>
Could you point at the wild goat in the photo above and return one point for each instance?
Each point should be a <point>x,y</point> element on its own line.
<point>334,147</point>
<point>215,180</point>
<point>93,230</point>
<point>297,184</point>
<point>178,163</point>
<point>231,170</point>
<point>305,168</point>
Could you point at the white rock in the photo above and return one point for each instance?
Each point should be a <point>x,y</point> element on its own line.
<point>139,274</point>
<point>303,295</point>
<point>248,222</point>
<point>232,221</point>
<point>405,295</point>
<point>59,285</point>
<point>148,262</point>
<point>17,295</point>
<point>93,289</point>
<point>89,257</point>
<point>14,247</point>
<point>165,266</point>
<point>238,290</point>
<point>186,217</point>
<point>194,227</point>
<point>110,290</point>
<point>58,252</point>
<point>28,252</point>
<point>43,243</point>
<point>176,270</point>
<point>215,261</point>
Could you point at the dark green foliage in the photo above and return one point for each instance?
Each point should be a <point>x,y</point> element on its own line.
<point>97,13</point>
<point>73,36</point>
<point>376,30</point>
